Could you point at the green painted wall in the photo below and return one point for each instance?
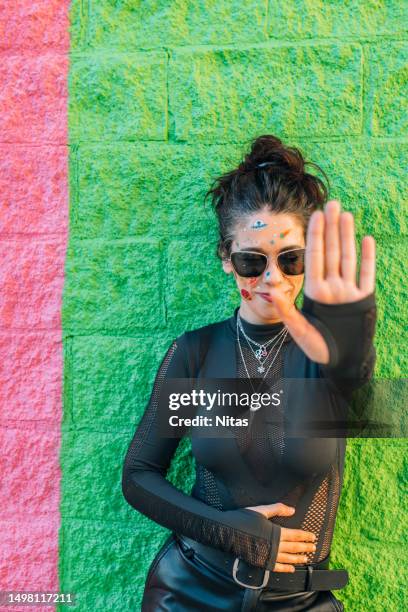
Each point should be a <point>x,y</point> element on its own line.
<point>163,96</point>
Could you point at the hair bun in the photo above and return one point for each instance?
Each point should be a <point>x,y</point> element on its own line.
<point>269,151</point>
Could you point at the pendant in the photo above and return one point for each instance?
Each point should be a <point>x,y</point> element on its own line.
<point>261,369</point>
<point>261,352</point>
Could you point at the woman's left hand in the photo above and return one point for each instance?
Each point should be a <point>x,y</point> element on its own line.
<point>330,275</point>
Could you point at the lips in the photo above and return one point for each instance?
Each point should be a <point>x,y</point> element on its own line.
<point>266,297</point>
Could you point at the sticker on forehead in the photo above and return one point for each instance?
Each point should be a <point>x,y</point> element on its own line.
<point>259,224</point>
<point>285,233</point>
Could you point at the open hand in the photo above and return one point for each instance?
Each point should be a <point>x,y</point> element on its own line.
<point>330,274</point>
<point>294,543</point>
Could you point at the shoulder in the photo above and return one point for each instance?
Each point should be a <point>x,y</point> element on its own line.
<point>184,350</point>
<point>206,330</point>
<point>195,339</point>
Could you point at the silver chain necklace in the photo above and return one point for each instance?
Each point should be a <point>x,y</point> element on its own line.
<point>265,344</point>
<point>273,360</point>
<point>261,366</point>
<point>261,350</point>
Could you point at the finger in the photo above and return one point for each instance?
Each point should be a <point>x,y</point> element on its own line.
<point>278,510</point>
<point>314,262</point>
<point>281,567</point>
<point>331,239</point>
<point>306,336</point>
<point>348,248</point>
<point>296,547</point>
<point>288,558</point>
<point>367,268</point>
<point>297,535</point>
<point>259,509</point>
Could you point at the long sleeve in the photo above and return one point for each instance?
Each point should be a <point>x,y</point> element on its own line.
<point>245,533</point>
<point>349,332</point>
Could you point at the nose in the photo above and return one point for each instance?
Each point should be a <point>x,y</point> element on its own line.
<point>272,274</point>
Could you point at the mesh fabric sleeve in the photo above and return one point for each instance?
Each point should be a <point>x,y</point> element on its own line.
<point>245,533</point>
<point>349,332</point>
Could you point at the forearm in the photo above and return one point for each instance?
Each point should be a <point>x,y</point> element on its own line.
<point>242,532</point>
<point>348,330</point>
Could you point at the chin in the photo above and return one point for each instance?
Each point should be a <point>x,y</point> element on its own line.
<point>267,309</point>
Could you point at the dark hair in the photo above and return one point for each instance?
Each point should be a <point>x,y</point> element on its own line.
<point>281,185</point>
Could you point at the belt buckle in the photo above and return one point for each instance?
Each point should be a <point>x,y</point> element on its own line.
<point>248,586</point>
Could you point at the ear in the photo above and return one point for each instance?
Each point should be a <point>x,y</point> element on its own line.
<point>226,266</point>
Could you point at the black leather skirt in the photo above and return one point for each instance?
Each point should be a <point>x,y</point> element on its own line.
<point>178,582</point>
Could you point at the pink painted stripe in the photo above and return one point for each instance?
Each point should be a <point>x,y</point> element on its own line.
<point>34,48</point>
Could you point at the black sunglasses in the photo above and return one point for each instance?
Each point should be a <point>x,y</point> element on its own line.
<point>250,263</point>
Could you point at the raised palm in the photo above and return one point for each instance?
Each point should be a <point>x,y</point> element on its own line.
<point>330,274</point>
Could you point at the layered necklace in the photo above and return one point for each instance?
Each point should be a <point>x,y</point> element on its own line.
<point>261,349</point>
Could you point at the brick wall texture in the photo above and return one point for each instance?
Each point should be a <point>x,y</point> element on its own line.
<point>34,61</point>
<point>163,96</point>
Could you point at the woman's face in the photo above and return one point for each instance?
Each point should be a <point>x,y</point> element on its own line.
<point>273,233</point>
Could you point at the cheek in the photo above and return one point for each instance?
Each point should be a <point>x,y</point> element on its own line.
<point>246,282</point>
<point>245,285</point>
<point>297,283</point>
<point>245,294</point>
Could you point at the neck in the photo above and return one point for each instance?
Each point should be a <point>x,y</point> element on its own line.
<point>251,317</point>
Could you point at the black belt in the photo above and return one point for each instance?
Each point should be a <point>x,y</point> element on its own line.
<point>309,578</point>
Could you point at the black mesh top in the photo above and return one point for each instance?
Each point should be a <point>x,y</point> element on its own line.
<point>247,469</point>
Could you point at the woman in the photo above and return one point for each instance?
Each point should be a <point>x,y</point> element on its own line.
<point>256,532</point>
